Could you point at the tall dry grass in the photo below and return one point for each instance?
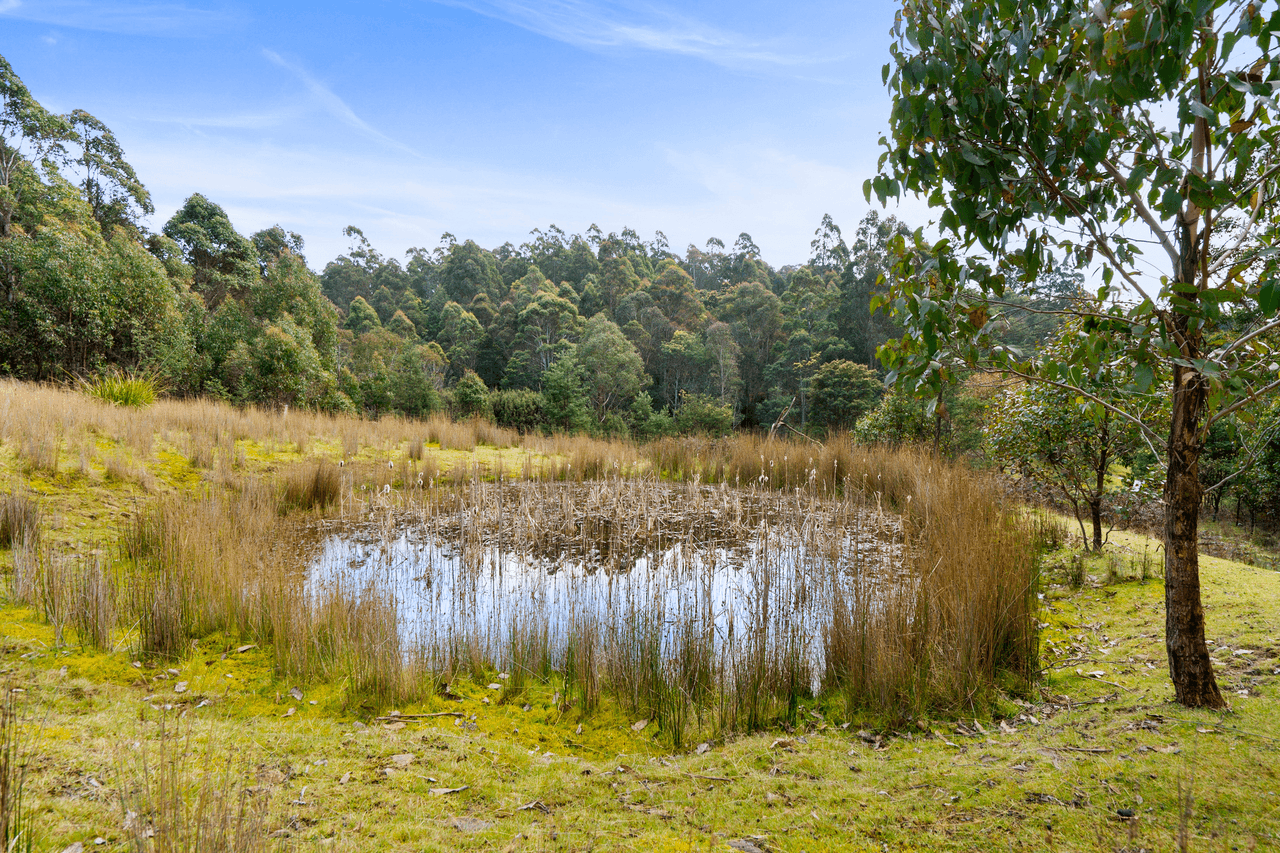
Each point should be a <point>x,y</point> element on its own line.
<point>936,627</point>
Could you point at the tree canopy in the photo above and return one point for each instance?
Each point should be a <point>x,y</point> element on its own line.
<point>1102,132</point>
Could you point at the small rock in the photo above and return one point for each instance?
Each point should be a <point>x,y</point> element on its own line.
<point>403,759</point>
<point>703,748</point>
<point>77,847</point>
<point>180,687</point>
<point>296,694</point>
<point>495,686</point>
<point>745,846</point>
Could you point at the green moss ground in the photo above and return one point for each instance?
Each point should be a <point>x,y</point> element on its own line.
<point>1053,774</point>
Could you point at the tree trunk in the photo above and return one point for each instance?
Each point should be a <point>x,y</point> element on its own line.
<point>1095,519</point>
<point>1189,665</point>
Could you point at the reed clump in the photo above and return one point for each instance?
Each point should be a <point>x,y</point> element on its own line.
<point>181,795</point>
<point>314,484</point>
<point>19,519</point>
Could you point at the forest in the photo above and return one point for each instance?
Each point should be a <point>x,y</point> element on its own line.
<point>607,334</point>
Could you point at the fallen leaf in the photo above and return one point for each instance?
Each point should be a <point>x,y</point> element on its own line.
<point>180,687</point>
<point>639,725</point>
<point>296,694</point>
<point>289,713</point>
<point>346,777</point>
<point>495,686</point>
<point>536,804</point>
<point>395,727</point>
<point>403,759</point>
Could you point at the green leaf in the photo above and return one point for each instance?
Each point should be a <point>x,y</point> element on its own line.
<point>1269,298</point>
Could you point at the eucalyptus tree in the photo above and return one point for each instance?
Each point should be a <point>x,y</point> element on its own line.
<point>1098,130</point>
<point>109,184</point>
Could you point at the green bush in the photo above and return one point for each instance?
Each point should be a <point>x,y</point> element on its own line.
<point>518,408</point>
<point>136,390</point>
<point>700,413</point>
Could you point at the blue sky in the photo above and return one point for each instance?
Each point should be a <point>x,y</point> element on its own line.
<point>484,118</point>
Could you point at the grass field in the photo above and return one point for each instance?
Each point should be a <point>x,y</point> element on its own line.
<point>129,751</point>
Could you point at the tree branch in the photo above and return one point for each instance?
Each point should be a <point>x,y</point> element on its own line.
<point>1238,405</point>
<point>1148,434</point>
<point>1143,211</point>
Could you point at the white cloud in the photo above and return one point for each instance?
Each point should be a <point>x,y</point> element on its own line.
<point>614,25</point>
<point>132,18</point>
<point>333,104</point>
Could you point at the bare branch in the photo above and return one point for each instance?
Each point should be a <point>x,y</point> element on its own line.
<point>1244,339</point>
<point>1143,211</point>
<point>1148,434</point>
<point>1239,404</point>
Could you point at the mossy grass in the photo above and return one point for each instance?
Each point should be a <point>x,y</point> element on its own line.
<point>1093,756</point>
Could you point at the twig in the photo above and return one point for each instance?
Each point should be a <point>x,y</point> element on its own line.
<point>714,778</point>
<point>395,717</point>
<point>1092,750</point>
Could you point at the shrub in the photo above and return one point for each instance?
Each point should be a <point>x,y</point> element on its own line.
<point>471,397</point>
<point>519,409</point>
<point>702,414</point>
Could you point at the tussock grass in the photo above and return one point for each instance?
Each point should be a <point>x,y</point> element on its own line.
<point>121,388</point>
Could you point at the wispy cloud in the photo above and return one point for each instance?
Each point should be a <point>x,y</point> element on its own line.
<point>170,19</point>
<point>602,25</point>
<point>333,104</point>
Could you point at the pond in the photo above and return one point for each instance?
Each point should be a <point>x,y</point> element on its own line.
<point>479,566</point>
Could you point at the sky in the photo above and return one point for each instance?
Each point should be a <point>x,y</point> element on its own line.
<point>481,118</point>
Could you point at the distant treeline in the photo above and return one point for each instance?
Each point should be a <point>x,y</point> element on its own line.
<point>600,332</point>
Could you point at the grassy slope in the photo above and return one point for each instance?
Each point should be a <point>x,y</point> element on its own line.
<point>1098,743</point>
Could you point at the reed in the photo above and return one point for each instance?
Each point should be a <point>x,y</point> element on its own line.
<point>17,826</point>
<point>309,485</point>
<point>19,519</point>
<point>181,795</point>
<point>93,608</point>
